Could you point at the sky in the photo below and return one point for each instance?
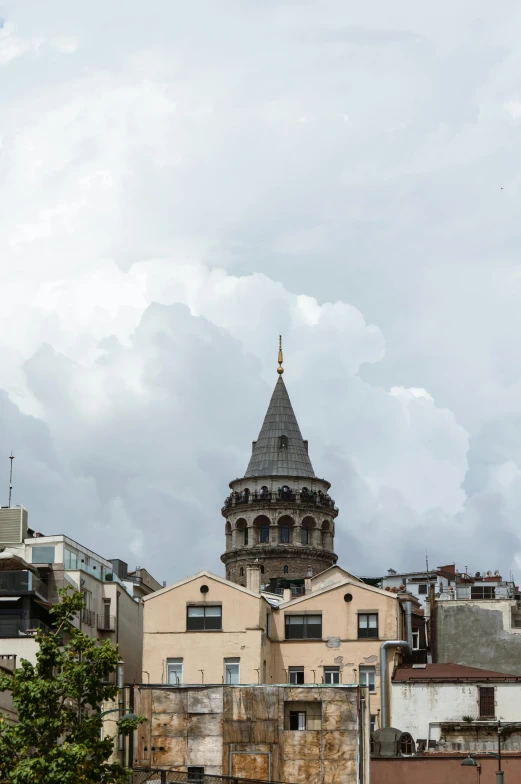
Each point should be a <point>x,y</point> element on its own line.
<point>182,182</point>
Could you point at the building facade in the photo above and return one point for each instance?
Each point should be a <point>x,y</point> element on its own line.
<point>279,514</point>
<point>282,733</point>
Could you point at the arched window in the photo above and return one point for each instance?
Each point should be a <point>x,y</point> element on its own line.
<point>284,534</point>
<point>304,535</point>
<point>283,442</point>
<point>262,569</point>
<point>406,745</point>
<point>286,570</point>
<point>265,534</point>
<point>242,572</point>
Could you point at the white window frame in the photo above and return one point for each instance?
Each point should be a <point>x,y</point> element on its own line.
<point>229,663</point>
<point>296,671</point>
<point>173,663</point>
<point>331,671</point>
<point>364,672</point>
<point>416,639</point>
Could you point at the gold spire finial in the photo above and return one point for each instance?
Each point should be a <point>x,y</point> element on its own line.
<point>280,369</point>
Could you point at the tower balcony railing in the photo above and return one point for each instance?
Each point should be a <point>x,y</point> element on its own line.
<point>282,495</point>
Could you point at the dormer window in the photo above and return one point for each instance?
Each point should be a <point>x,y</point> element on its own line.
<point>283,442</point>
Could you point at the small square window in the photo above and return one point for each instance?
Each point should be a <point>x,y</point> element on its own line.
<point>367,677</point>
<point>296,675</point>
<point>422,588</point>
<point>367,625</point>
<point>331,674</point>
<point>195,774</point>
<point>232,671</point>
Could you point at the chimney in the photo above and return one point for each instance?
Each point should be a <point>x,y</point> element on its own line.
<point>307,585</point>
<point>253,581</point>
<point>286,596</point>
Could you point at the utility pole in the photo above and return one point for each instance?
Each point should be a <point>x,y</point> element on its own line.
<point>11,458</point>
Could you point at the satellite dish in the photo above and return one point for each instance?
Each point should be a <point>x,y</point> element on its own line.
<point>489,573</point>
<point>496,573</point>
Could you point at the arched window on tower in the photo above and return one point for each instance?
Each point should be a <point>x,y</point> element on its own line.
<point>242,571</point>
<point>304,535</point>
<point>286,570</point>
<point>262,569</point>
<point>284,534</point>
<point>283,442</point>
<point>265,534</point>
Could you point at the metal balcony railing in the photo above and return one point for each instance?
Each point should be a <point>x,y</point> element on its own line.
<point>21,581</point>
<point>88,617</point>
<point>280,496</point>
<point>106,623</point>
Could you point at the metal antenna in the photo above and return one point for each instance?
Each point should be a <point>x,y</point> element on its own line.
<point>11,458</point>
<point>426,560</point>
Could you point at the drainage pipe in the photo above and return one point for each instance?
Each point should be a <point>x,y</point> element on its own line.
<point>408,622</point>
<point>383,675</point>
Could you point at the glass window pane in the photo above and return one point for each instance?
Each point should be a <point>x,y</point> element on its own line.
<point>195,612</point>
<point>373,620</point>
<point>43,554</point>
<point>212,611</point>
<point>362,621</point>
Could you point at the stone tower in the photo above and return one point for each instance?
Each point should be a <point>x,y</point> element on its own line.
<point>279,514</point>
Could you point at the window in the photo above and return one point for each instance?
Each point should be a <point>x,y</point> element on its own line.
<point>483,592</point>
<point>204,619</point>
<point>331,674</point>
<point>245,536</point>
<point>284,534</point>
<point>303,627</point>
<point>368,625</point>
<point>286,570</point>
<point>297,720</point>
<point>367,675</point>
<point>195,774</point>
<point>70,559</point>
<point>296,675</point>
<point>416,639</point>
<point>372,723</point>
<point>87,596</point>
<point>232,671</point>
<point>304,535</point>
<point>106,613</point>
<point>301,716</point>
<point>268,624</point>
<point>486,702</point>
<point>44,554</point>
<point>406,745</point>
<point>265,534</point>
<point>242,572</point>
<point>422,588</point>
<point>174,671</point>
<point>283,442</point>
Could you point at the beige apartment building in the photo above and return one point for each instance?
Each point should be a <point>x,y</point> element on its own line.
<point>208,630</point>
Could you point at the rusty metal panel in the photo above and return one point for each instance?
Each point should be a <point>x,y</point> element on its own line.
<point>171,724</point>
<point>339,716</point>
<point>168,752</point>
<point>301,745</point>
<point>339,745</point>
<point>266,703</point>
<point>205,700</point>
<point>250,731</point>
<point>205,751</point>
<point>241,704</point>
<point>307,771</point>
<point>143,707</point>
<point>166,701</point>
<point>205,724</point>
<point>339,772</point>
<point>251,766</point>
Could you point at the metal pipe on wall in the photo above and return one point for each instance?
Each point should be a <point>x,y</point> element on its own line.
<point>408,622</point>
<point>383,675</point>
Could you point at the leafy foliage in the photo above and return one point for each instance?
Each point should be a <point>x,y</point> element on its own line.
<point>58,736</point>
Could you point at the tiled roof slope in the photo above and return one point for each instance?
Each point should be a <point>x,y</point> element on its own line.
<point>268,458</point>
<point>448,672</point>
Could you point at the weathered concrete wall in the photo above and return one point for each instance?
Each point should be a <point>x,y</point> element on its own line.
<point>241,730</point>
<point>478,634</point>
<point>442,770</point>
<point>416,705</point>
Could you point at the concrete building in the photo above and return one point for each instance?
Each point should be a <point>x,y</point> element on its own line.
<point>441,580</point>
<point>316,734</point>
<point>206,629</point>
<point>450,707</point>
<point>32,569</point>
<point>279,513</point>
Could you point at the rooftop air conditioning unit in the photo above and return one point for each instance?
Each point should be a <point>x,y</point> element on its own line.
<point>13,525</point>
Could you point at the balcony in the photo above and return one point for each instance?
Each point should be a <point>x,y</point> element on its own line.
<point>15,627</point>
<point>21,581</point>
<point>106,623</point>
<point>282,495</point>
<point>88,617</point>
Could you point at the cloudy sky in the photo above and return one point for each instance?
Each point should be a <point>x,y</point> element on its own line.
<point>180,182</point>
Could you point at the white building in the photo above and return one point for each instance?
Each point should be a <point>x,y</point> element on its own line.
<point>450,707</point>
<point>32,570</point>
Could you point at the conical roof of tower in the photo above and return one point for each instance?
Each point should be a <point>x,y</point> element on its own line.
<point>269,457</point>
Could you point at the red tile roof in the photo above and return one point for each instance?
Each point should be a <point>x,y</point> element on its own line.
<point>448,672</point>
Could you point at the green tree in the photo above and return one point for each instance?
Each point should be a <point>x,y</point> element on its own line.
<point>58,736</point>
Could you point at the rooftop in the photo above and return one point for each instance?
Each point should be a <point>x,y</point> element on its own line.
<point>448,672</point>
